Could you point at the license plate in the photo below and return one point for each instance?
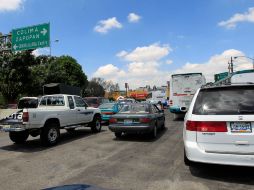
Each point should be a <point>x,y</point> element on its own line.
<point>240,127</point>
<point>127,121</point>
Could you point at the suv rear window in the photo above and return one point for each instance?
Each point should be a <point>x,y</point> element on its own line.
<point>231,100</point>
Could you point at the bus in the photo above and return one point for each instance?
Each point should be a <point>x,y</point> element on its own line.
<point>182,90</point>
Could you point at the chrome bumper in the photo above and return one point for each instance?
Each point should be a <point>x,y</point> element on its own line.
<point>13,127</point>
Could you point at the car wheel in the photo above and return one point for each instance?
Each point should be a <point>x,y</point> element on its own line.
<point>50,134</point>
<point>118,134</point>
<point>18,137</point>
<point>163,125</point>
<point>96,124</point>
<point>153,133</point>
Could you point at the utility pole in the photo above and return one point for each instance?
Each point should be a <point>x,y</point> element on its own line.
<point>230,66</point>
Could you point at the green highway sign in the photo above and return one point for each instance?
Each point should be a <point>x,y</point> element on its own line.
<point>31,37</point>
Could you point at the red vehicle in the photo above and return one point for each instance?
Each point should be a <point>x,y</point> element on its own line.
<point>95,101</point>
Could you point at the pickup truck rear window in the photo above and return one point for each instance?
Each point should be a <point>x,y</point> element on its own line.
<point>233,100</point>
<point>52,101</point>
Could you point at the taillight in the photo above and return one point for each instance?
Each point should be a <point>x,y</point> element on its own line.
<point>145,120</point>
<point>112,120</point>
<point>206,126</point>
<point>25,117</point>
<point>170,102</point>
<point>108,113</point>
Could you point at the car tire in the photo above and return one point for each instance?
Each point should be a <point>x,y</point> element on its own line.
<point>163,125</point>
<point>153,133</point>
<point>118,134</point>
<point>50,134</point>
<point>187,162</point>
<point>18,137</point>
<point>96,124</point>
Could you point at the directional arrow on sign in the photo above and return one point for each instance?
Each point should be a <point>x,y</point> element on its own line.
<point>15,47</point>
<point>44,31</point>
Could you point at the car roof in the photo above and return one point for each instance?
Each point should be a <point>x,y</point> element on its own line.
<point>208,86</point>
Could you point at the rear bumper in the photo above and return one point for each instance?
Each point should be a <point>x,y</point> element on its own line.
<point>196,154</point>
<point>12,128</point>
<point>131,128</point>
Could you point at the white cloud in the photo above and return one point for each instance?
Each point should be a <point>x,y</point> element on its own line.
<point>216,64</point>
<point>122,53</point>
<point>238,17</point>
<point>109,71</point>
<point>104,26</point>
<point>142,67</point>
<point>41,51</point>
<point>133,18</point>
<point>169,62</point>
<point>150,53</point>
<point>151,72</point>
<point>10,5</point>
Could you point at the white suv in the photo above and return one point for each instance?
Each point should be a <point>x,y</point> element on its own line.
<point>219,126</point>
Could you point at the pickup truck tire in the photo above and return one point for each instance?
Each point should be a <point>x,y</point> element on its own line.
<point>18,137</point>
<point>50,134</point>
<point>96,124</point>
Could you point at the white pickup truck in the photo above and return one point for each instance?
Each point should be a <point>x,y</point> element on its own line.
<point>54,112</point>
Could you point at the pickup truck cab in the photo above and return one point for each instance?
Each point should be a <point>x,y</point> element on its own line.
<point>54,112</point>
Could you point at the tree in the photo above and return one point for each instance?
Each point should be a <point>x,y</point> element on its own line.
<point>65,69</point>
<point>94,89</point>
<point>107,85</point>
<point>15,73</point>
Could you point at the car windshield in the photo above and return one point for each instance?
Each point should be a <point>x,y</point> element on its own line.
<point>135,108</point>
<point>225,101</point>
<point>28,103</point>
<point>107,106</point>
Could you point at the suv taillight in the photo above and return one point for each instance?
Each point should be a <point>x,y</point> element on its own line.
<point>206,126</point>
<point>25,117</point>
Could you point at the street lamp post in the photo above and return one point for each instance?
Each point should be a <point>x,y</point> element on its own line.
<point>56,40</point>
<point>246,57</point>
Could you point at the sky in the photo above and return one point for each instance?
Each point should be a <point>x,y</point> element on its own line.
<point>141,42</point>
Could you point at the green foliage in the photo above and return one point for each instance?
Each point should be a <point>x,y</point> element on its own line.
<point>66,70</point>
<point>98,86</point>
<point>14,74</point>
<point>94,89</point>
<point>23,74</point>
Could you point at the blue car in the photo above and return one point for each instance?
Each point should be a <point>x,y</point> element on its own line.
<point>109,109</point>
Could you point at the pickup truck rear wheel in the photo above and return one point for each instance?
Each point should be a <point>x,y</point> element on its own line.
<point>96,124</point>
<point>18,137</point>
<point>50,134</point>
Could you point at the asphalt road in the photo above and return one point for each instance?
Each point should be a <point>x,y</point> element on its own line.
<point>134,162</point>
